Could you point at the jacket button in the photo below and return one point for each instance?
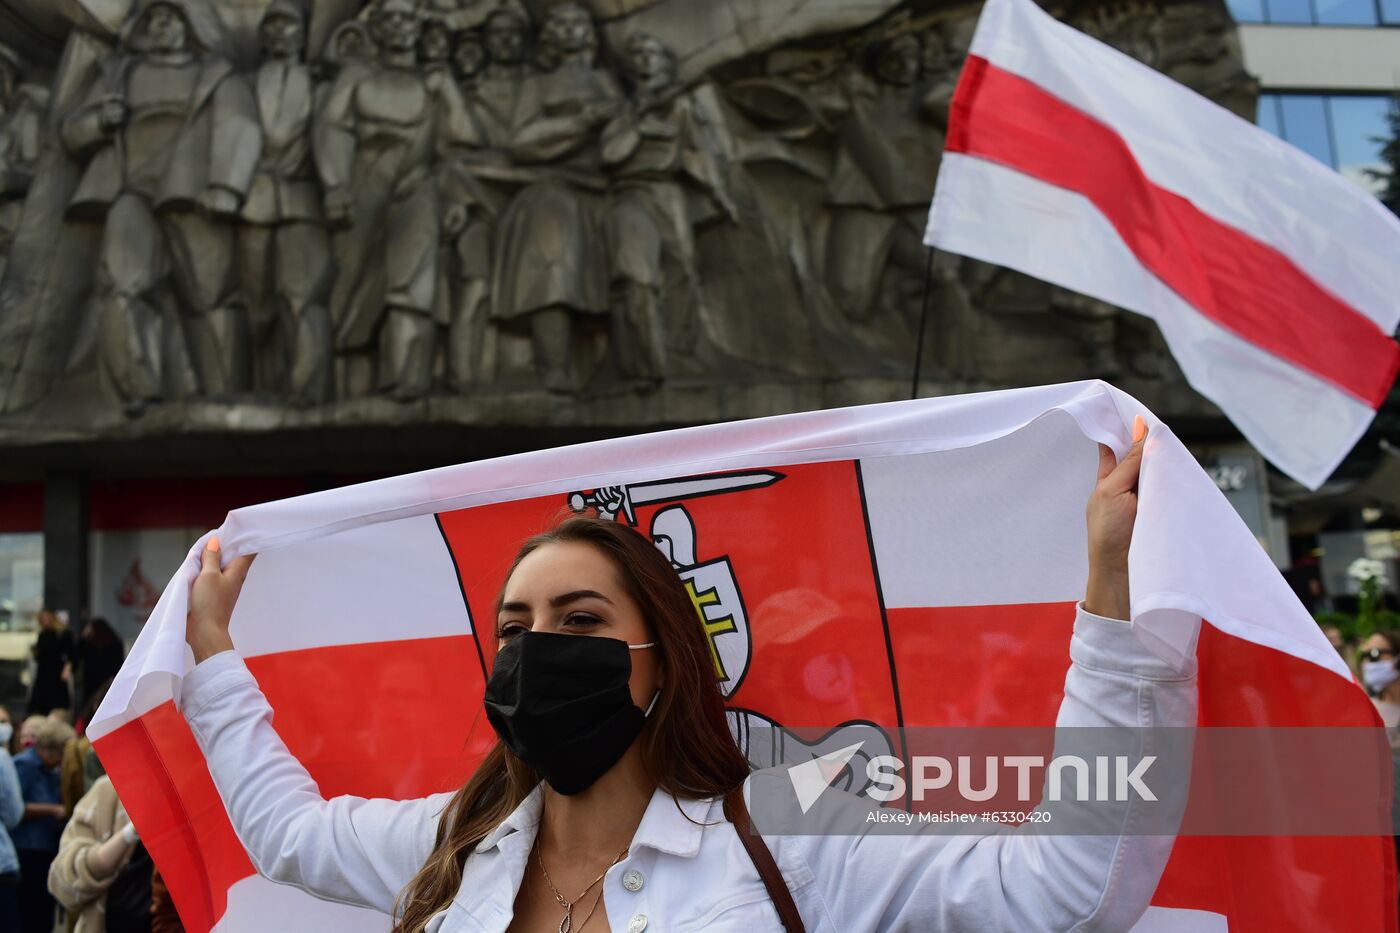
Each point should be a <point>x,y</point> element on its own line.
<point>633,881</point>
<point>637,924</point>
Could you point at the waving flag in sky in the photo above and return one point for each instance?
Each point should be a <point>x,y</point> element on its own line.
<point>1275,281</point>
<point>914,563</point>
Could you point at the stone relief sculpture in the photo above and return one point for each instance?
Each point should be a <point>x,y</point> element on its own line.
<point>374,145</point>
<point>170,137</point>
<point>551,268</point>
<point>409,198</point>
<point>478,179</point>
<point>882,179</point>
<point>284,251</point>
<point>22,110</point>
<point>665,160</point>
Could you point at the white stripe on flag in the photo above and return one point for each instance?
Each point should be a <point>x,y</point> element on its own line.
<point>1032,544</point>
<point>258,904</point>
<point>1180,920</point>
<point>366,599</point>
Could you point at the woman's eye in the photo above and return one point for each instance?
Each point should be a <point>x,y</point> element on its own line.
<point>581,618</point>
<point>509,630</point>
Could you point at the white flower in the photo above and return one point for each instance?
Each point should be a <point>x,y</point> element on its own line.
<point>1365,568</point>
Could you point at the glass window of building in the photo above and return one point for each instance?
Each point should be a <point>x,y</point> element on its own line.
<point>1317,12</point>
<point>1343,131</point>
<point>21,581</point>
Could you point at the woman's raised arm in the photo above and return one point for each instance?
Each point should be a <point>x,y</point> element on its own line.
<point>348,849</point>
<point>1098,876</point>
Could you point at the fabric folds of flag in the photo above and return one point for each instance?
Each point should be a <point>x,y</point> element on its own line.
<point>1275,281</point>
<point>907,564</point>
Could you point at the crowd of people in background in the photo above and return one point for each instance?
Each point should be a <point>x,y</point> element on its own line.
<point>70,858</point>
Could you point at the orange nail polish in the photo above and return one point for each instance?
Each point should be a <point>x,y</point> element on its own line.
<point>1139,428</point>
<point>213,544</point>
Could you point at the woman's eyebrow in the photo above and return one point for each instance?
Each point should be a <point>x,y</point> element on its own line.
<point>561,600</point>
<point>565,598</point>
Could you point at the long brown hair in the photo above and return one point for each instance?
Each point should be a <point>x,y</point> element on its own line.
<point>686,745</point>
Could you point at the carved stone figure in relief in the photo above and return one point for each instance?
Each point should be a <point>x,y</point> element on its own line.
<point>434,45</point>
<point>882,178</point>
<point>374,141</point>
<point>349,45</point>
<point>667,164</point>
<point>22,109</point>
<point>284,250</point>
<point>550,262</point>
<point>478,178</point>
<point>170,138</point>
<point>470,205</point>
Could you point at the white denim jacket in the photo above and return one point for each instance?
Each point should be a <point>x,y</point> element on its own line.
<point>687,868</point>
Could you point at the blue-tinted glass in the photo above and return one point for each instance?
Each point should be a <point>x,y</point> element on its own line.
<point>1304,121</point>
<point>1246,11</point>
<point>1346,12</point>
<point>1287,11</point>
<point>1360,129</point>
<point>1268,113</point>
<point>1390,12</point>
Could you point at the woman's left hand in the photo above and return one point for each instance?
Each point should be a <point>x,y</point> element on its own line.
<point>1110,515</point>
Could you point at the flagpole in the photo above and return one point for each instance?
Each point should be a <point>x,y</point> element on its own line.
<point>923,327</point>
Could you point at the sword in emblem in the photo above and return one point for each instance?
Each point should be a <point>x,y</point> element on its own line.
<point>611,501</point>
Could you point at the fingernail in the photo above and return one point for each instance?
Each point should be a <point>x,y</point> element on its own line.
<point>213,544</point>
<point>1139,428</point>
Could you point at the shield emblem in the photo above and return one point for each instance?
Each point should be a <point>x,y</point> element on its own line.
<point>715,593</point>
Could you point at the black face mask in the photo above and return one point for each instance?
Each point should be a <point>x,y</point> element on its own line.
<point>561,704</point>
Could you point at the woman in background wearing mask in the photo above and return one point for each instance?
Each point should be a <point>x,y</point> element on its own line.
<point>616,787</point>
<point>1378,655</point>
<point>11,812</point>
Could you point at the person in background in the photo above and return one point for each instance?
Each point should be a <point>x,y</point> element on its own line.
<point>29,731</point>
<point>164,918</point>
<point>1346,649</point>
<point>1381,676</point>
<point>11,812</point>
<point>1378,659</point>
<point>80,767</point>
<point>100,655</point>
<point>36,837</point>
<point>103,873</point>
<point>53,656</point>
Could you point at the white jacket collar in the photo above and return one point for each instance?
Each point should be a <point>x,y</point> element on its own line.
<point>669,824</point>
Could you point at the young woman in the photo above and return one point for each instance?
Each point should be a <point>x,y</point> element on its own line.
<point>603,806</point>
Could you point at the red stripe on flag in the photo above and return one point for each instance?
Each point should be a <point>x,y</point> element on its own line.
<point>982,665</point>
<point>399,719</point>
<point>350,713</point>
<point>1005,666</point>
<point>163,783</point>
<point>1279,882</point>
<point>1241,283</point>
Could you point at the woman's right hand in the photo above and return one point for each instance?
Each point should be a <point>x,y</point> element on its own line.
<point>212,599</point>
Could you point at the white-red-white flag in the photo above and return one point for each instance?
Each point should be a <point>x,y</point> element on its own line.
<point>909,564</point>
<point>1275,281</point>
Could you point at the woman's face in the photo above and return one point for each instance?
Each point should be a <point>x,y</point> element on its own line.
<point>28,734</point>
<point>572,588</point>
<point>1381,644</point>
